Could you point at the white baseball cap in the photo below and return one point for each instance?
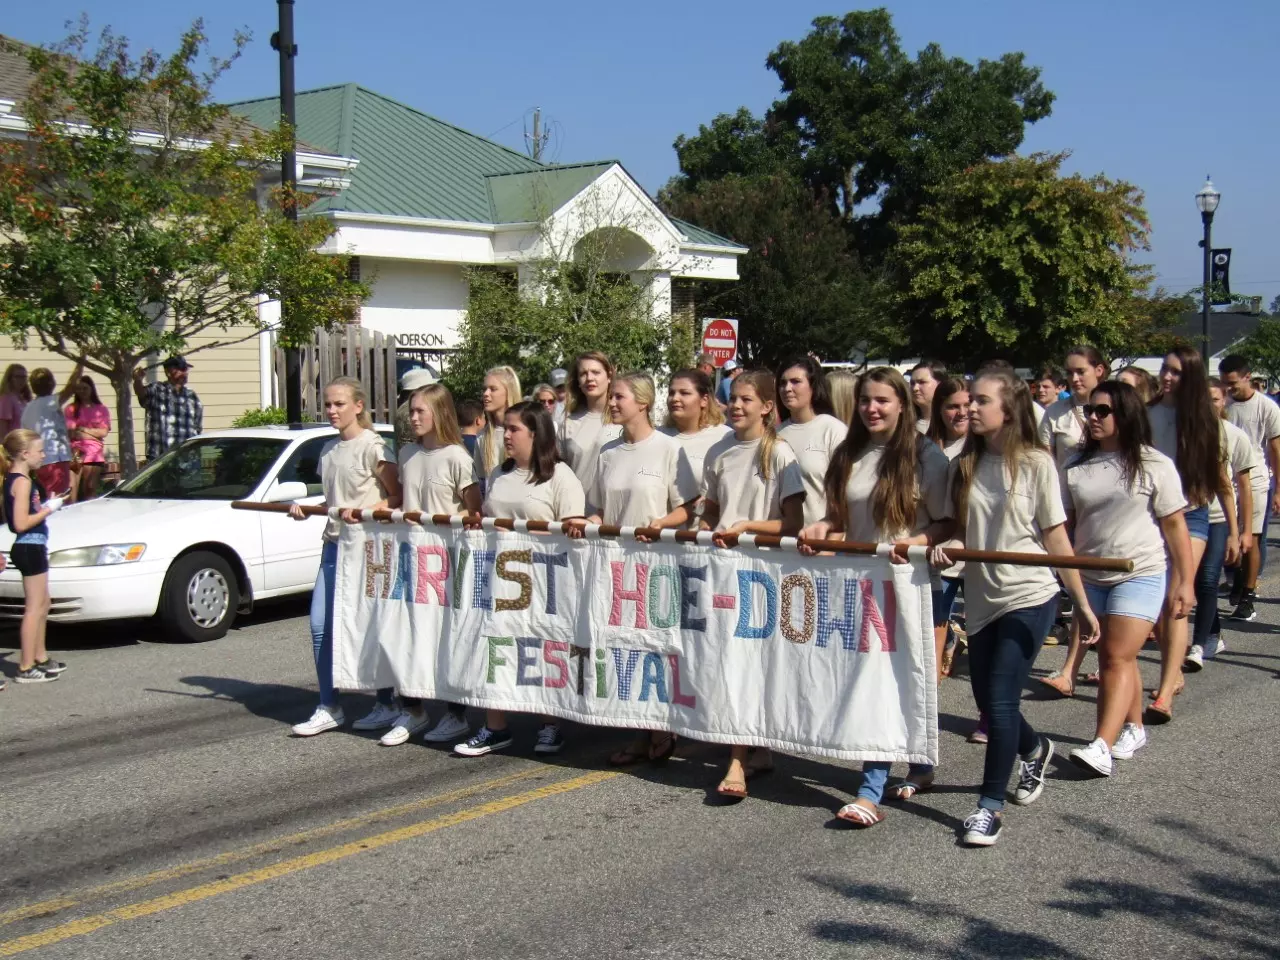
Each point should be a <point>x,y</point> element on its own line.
<point>730,365</point>
<point>558,376</point>
<point>417,378</point>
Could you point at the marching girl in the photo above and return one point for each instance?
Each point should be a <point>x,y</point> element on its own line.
<point>586,428</point>
<point>1006,496</point>
<point>887,484</point>
<point>753,485</point>
<point>1251,503</point>
<point>532,483</point>
<point>841,385</point>
<point>1146,385</point>
<point>1125,498</point>
<point>925,377</point>
<point>1185,428</point>
<point>948,429</point>
<point>643,480</point>
<point>811,430</point>
<point>26,510</point>
<point>437,476</point>
<point>694,418</point>
<point>501,390</point>
<point>1063,431</point>
<point>357,473</point>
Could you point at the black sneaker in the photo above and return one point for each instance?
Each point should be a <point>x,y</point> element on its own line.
<point>1244,609</point>
<point>1031,774</point>
<point>51,666</point>
<point>486,741</point>
<point>549,739</point>
<point>34,674</point>
<point>981,828</point>
<point>1237,591</point>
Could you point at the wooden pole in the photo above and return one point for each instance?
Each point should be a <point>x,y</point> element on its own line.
<point>1102,564</point>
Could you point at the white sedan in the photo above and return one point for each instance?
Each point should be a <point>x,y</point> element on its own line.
<point>168,544</point>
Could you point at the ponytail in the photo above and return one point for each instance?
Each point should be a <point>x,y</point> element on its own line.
<point>358,395</point>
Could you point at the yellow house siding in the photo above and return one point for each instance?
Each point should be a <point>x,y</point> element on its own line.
<point>226,379</point>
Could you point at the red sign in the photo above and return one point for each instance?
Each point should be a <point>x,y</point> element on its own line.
<point>720,340</point>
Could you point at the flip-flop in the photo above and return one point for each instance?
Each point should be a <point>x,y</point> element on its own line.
<point>1157,712</point>
<point>1091,679</point>
<point>754,769</point>
<point>733,789</point>
<point>664,754</point>
<point>631,754</point>
<point>909,788</point>
<point>1049,682</point>
<point>859,816</point>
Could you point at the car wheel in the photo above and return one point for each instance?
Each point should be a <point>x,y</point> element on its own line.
<point>200,598</point>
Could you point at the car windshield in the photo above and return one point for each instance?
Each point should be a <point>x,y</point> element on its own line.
<point>206,468</point>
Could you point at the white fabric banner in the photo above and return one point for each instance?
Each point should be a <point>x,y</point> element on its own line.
<point>829,656</point>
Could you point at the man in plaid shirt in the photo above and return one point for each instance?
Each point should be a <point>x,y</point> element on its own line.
<point>174,413</point>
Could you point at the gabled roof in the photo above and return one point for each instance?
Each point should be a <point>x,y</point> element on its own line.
<point>411,164</point>
<point>536,194</point>
<point>695,234</point>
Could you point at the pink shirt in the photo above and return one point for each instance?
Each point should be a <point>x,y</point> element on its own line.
<point>11,407</point>
<point>95,416</point>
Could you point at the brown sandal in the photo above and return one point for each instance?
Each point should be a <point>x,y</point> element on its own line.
<point>633,753</point>
<point>1056,682</point>
<point>733,789</point>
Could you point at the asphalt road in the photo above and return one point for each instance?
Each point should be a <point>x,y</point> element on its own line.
<point>155,807</point>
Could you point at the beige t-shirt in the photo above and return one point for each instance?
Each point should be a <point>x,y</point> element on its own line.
<point>735,483</point>
<point>1164,429</point>
<point>1240,455</point>
<point>433,480</point>
<point>813,444</point>
<point>1115,518</point>
<point>1009,516</point>
<point>582,436</point>
<point>696,446</point>
<point>1062,430</point>
<point>932,501</point>
<point>499,454</point>
<point>513,497</point>
<point>639,482</point>
<point>347,473</point>
<point>1259,418</point>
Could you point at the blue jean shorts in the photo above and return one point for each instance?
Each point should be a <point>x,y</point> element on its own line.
<point>1198,522</point>
<point>1141,598</point>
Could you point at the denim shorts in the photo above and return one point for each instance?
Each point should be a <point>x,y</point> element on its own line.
<point>1198,522</point>
<point>1141,598</point>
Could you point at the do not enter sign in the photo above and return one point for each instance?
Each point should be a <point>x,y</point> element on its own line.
<point>720,340</point>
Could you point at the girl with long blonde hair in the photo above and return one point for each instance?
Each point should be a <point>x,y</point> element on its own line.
<point>841,385</point>
<point>501,390</point>
<point>15,394</point>
<point>357,472</point>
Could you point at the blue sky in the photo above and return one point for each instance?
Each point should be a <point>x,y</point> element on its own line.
<point>1156,92</point>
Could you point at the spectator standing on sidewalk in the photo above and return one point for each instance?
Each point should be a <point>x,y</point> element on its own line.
<point>88,423</point>
<point>173,411</point>
<point>44,416</point>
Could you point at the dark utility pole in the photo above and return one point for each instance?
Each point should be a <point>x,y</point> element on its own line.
<point>283,42</point>
<point>1207,218</point>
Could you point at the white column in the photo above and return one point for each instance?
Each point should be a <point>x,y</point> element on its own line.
<point>657,289</point>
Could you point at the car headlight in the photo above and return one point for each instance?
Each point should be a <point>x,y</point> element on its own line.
<point>106,554</point>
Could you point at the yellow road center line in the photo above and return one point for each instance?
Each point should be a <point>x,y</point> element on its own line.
<point>266,846</point>
<point>182,898</point>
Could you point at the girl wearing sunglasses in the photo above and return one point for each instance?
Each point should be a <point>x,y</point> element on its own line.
<point>1126,500</point>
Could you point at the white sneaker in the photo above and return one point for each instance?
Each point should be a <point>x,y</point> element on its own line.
<point>1096,757</point>
<point>406,726</point>
<point>1214,647</point>
<point>323,719</point>
<point>1132,739</point>
<point>449,728</point>
<point>380,717</point>
<point>1194,661</point>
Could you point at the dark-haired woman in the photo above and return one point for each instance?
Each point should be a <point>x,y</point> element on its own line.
<point>1063,431</point>
<point>886,484</point>
<point>811,430</point>
<point>949,429</point>
<point>925,377</point>
<point>531,483</point>
<point>1125,498</point>
<point>694,420</point>
<point>1007,496</point>
<point>88,423</point>
<point>1185,428</point>
<point>586,427</point>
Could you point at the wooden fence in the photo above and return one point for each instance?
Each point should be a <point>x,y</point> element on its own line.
<point>349,351</point>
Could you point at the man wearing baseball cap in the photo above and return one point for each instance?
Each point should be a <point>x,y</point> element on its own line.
<point>730,371</point>
<point>559,382</point>
<point>174,413</point>
<point>412,381</point>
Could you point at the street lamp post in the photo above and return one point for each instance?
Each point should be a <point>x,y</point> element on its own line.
<point>1207,202</point>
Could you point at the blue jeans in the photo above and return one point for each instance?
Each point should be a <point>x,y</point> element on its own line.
<point>322,628</point>
<point>1000,659</point>
<point>944,600</point>
<point>1207,576</point>
<point>876,774</point>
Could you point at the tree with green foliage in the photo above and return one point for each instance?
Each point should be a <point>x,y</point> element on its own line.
<point>132,216</point>
<point>1262,348</point>
<point>1011,259</point>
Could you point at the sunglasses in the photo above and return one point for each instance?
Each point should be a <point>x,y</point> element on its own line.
<point>1100,410</point>
<point>551,402</point>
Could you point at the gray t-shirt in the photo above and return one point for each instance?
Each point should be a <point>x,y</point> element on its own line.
<point>433,480</point>
<point>1011,516</point>
<point>512,496</point>
<point>813,444</point>
<point>1240,456</point>
<point>640,482</point>
<point>1259,418</point>
<point>348,473</point>
<point>582,436</point>
<point>696,446</point>
<point>932,501</point>
<point>1062,430</point>
<point>44,416</point>
<point>736,484</point>
<point>1116,518</point>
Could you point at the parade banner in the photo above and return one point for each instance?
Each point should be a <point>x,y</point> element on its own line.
<point>831,656</point>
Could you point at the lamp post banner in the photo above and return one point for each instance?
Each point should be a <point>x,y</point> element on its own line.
<point>1221,272</point>
<point>831,656</point>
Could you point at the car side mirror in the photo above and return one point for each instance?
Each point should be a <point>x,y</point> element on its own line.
<point>286,492</point>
